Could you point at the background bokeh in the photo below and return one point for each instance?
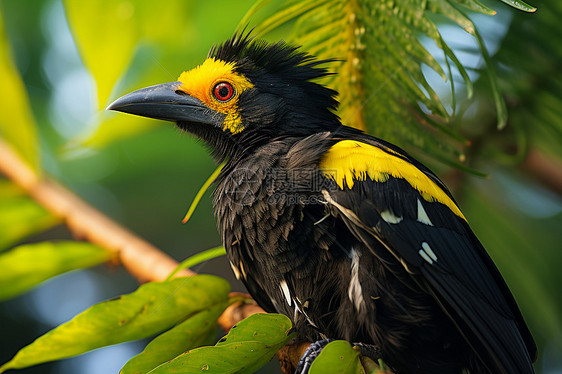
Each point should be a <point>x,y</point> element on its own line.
<point>147,181</point>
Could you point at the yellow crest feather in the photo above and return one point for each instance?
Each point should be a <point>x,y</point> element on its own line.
<point>200,81</point>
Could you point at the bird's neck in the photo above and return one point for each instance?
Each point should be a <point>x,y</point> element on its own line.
<point>225,146</point>
<point>221,144</point>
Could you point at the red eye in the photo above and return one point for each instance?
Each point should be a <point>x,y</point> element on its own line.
<point>223,91</point>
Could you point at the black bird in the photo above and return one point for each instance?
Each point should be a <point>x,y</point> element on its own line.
<point>344,233</point>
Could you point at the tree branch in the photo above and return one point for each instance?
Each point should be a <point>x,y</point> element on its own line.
<point>141,259</point>
<point>238,311</point>
<point>290,355</point>
<point>546,170</point>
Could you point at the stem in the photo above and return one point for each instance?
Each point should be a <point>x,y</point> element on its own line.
<point>202,191</point>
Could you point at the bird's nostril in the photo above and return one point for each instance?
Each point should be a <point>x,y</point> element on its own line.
<point>180,92</point>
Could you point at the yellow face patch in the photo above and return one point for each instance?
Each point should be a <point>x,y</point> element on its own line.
<point>201,83</point>
<point>350,160</point>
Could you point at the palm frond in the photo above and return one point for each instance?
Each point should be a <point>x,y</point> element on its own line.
<point>381,80</point>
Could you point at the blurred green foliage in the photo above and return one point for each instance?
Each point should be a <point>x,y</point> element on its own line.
<point>62,62</point>
<point>17,126</point>
<point>20,216</point>
<point>28,265</point>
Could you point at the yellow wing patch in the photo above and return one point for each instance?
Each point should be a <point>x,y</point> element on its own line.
<point>350,160</point>
<point>200,81</point>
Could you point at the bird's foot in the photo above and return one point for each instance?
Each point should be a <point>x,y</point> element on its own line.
<point>310,355</point>
<point>315,348</point>
<point>369,350</point>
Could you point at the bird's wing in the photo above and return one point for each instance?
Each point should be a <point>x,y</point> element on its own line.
<point>385,197</point>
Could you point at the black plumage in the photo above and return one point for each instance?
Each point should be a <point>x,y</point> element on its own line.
<point>376,260</point>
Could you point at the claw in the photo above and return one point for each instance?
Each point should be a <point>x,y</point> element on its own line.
<point>315,348</point>
<point>310,355</point>
<point>369,350</point>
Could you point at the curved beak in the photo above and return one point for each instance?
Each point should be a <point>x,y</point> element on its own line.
<point>164,102</point>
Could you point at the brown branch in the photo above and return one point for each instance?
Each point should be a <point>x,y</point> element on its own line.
<point>290,355</point>
<point>141,259</point>
<point>238,311</point>
<point>546,170</point>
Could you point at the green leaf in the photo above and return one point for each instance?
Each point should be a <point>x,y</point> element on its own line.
<point>20,216</point>
<point>248,346</point>
<point>28,265</point>
<point>501,109</point>
<point>337,357</point>
<point>115,127</point>
<point>476,6</point>
<point>197,330</point>
<point>290,10</point>
<point>152,308</point>
<point>202,191</point>
<point>9,190</point>
<point>17,125</point>
<point>199,258</point>
<point>372,367</point>
<point>521,5</point>
<point>106,33</point>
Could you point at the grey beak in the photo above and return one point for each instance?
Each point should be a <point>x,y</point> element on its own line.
<point>165,102</point>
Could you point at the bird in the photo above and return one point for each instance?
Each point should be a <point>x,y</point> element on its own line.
<point>345,233</point>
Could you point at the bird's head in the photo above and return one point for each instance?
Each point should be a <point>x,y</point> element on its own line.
<point>246,92</point>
